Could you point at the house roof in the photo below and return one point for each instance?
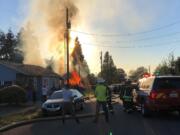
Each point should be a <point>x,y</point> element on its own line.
<point>30,70</point>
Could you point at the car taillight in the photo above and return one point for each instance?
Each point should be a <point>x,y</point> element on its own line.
<point>153,95</point>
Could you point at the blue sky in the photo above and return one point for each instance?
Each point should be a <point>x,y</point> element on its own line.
<point>117,17</point>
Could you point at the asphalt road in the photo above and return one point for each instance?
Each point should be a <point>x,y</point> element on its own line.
<point>120,123</point>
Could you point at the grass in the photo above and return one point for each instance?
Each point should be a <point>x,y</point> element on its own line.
<point>19,117</point>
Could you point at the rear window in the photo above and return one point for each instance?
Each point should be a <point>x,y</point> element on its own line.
<point>167,83</point>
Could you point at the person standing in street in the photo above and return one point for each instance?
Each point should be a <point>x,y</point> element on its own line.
<point>44,93</point>
<point>127,97</point>
<point>101,95</point>
<point>109,100</point>
<point>68,106</point>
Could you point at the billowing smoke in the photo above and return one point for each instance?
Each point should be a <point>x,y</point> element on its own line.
<point>43,33</point>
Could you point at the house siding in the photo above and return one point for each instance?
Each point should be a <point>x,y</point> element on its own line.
<point>7,74</point>
<point>11,75</point>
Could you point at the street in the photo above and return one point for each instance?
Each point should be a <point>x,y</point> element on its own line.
<point>120,123</point>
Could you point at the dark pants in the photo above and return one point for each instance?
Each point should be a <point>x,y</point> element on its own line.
<point>128,105</point>
<point>69,108</point>
<point>44,98</point>
<point>110,106</point>
<point>105,109</point>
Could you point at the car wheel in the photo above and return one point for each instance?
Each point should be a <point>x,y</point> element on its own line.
<point>144,110</point>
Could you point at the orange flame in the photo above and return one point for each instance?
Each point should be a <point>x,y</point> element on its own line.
<point>74,79</point>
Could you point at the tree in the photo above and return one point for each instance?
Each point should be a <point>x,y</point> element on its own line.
<point>108,69</point>
<point>120,75</point>
<point>18,52</point>
<point>177,66</point>
<point>162,69</point>
<point>77,54</point>
<point>92,79</point>
<point>135,75</point>
<point>8,44</point>
<point>9,50</point>
<point>168,66</point>
<point>2,42</point>
<point>79,63</point>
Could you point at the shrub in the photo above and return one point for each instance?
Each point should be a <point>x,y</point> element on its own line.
<point>12,94</point>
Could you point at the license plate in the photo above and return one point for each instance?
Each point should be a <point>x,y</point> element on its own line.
<point>173,95</point>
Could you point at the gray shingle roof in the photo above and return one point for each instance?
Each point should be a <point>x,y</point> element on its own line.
<point>30,70</point>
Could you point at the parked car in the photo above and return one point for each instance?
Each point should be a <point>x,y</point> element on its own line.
<point>158,93</point>
<point>54,103</point>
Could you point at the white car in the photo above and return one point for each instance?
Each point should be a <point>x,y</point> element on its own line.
<point>54,103</point>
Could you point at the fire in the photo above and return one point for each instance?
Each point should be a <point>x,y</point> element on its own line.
<point>74,79</point>
<point>43,35</point>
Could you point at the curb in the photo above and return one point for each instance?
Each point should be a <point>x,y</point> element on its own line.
<point>22,123</point>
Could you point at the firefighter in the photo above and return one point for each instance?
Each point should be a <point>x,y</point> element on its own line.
<point>101,94</point>
<point>128,97</point>
<point>109,100</point>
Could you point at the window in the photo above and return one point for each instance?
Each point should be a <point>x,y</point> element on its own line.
<point>167,83</point>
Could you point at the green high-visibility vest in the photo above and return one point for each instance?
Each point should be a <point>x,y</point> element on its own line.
<point>101,93</point>
<point>127,98</point>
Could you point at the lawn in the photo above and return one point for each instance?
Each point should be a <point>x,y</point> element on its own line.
<point>13,118</point>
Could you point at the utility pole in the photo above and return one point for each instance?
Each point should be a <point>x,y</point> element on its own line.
<point>149,68</point>
<point>101,62</point>
<point>79,70</point>
<point>68,26</point>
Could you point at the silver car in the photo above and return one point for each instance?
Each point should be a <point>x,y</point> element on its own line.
<point>54,103</point>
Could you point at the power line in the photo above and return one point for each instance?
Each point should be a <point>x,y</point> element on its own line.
<point>133,46</point>
<point>140,39</point>
<point>135,40</point>
<point>128,34</point>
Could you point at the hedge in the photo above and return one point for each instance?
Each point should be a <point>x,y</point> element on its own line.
<point>12,94</point>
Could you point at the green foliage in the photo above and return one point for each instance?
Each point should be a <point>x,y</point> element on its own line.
<point>170,66</point>
<point>109,71</point>
<point>137,74</point>
<point>12,94</point>
<point>92,79</point>
<point>8,47</point>
<point>177,66</point>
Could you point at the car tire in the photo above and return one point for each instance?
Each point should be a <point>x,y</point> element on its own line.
<point>145,111</point>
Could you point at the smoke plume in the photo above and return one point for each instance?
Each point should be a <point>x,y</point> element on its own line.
<point>43,33</point>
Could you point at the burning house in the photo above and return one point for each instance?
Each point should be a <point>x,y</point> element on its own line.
<point>24,74</point>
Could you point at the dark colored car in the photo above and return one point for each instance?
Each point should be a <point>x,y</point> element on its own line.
<point>54,103</point>
<point>160,93</point>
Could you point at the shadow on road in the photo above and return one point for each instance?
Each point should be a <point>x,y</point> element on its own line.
<point>121,123</point>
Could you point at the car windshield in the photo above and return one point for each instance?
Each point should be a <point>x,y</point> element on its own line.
<point>168,83</point>
<point>56,95</point>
